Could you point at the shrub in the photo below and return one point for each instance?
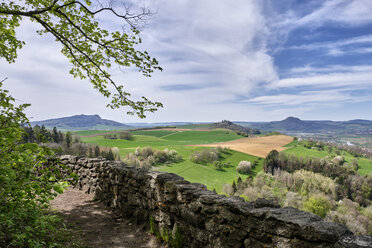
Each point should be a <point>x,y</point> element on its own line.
<point>309,182</point>
<point>205,156</point>
<point>137,152</point>
<point>271,162</point>
<point>228,189</point>
<point>160,156</point>
<point>29,179</point>
<point>132,160</point>
<point>218,165</point>
<point>368,212</point>
<point>348,214</point>
<point>292,199</point>
<point>110,136</point>
<point>116,153</point>
<point>318,204</point>
<point>252,194</point>
<point>147,157</point>
<point>221,150</point>
<point>338,160</point>
<point>244,167</point>
<point>151,160</point>
<point>125,135</point>
<point>147,152</point>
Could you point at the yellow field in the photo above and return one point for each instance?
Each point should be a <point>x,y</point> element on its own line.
<point>257,146</point>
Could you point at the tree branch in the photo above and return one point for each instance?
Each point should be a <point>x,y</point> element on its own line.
<point>28,13</point>
<point>64,41</point>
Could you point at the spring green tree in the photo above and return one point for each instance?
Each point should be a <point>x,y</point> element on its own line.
<point>271,162</point>
<point>91,50</point>
<point>318,204</point>
<point>28,181</point>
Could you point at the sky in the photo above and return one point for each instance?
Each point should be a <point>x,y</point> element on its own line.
<point>241,60</point>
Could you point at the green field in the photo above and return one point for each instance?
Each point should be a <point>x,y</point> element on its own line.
<point>179,141</point>
<point>196,126</point>
<point>90,132</point>
<point>365,165</point>
<point>155,133</point>
<point>205,174</point>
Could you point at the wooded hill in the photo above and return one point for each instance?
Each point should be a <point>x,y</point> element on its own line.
<point>292,124</point>
<point>81,122</point>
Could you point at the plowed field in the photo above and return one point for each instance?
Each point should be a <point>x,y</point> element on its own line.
<point>257,146</point>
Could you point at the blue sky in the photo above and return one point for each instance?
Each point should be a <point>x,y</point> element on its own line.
<point>241,60</point>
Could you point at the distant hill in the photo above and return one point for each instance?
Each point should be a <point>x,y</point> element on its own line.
<point>81,122</point>
<point>245,131</point>
<point>293,124</point>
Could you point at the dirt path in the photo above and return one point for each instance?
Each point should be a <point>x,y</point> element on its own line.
<point>99,226</point>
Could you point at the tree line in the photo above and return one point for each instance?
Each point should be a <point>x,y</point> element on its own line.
<point>66,143</point>
<point>352,185</point>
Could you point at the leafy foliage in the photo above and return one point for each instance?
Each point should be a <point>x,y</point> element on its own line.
<point>271,161</point>
<point>148,157</point>
<point>207,156</point>
<point>91,49</point>
<point>351,185</point>
<point>29,179</point>
<point>318,204</point>
<point>244,167</point>
<point>307,191</point>
<point>120,135</point>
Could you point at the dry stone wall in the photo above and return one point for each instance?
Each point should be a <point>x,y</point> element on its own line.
<point>190,214</point>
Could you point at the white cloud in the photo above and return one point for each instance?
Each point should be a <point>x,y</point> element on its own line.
<point>312,98</point>
<point>334,76</point>
<point>219,46</point>
<point>219,41</point>
<point>340,47</point>
<point>215,51</point>
<point>310,70</point>
<point>319,87</point>
<point>346,12</point>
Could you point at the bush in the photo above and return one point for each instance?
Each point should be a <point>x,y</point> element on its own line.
<point>29,179</point>
<point>348,213</point>
<point>132,160</point>
<point>338,160</point>
<point>318,204</point>
<point>116,153</point>
<point>125,135</point>
<point>228,189</point>
<point>160,156</point>
<point>110,136</point>
<point>244,167</point>
<point>147,157</point>
<point>218,165</point>
<point>271,162</point>
<point>147,152</point>
<point>221,150</point>
<point>205,156</point>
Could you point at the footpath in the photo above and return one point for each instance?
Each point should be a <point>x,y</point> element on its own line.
<point>99,226</point>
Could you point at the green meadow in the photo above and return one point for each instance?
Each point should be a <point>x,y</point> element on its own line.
<point>90,132</point>
<point>184,143</point>
<point>181,141</point>
<point>155,133</point>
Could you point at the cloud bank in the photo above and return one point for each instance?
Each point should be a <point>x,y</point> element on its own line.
<point>238,60</point>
